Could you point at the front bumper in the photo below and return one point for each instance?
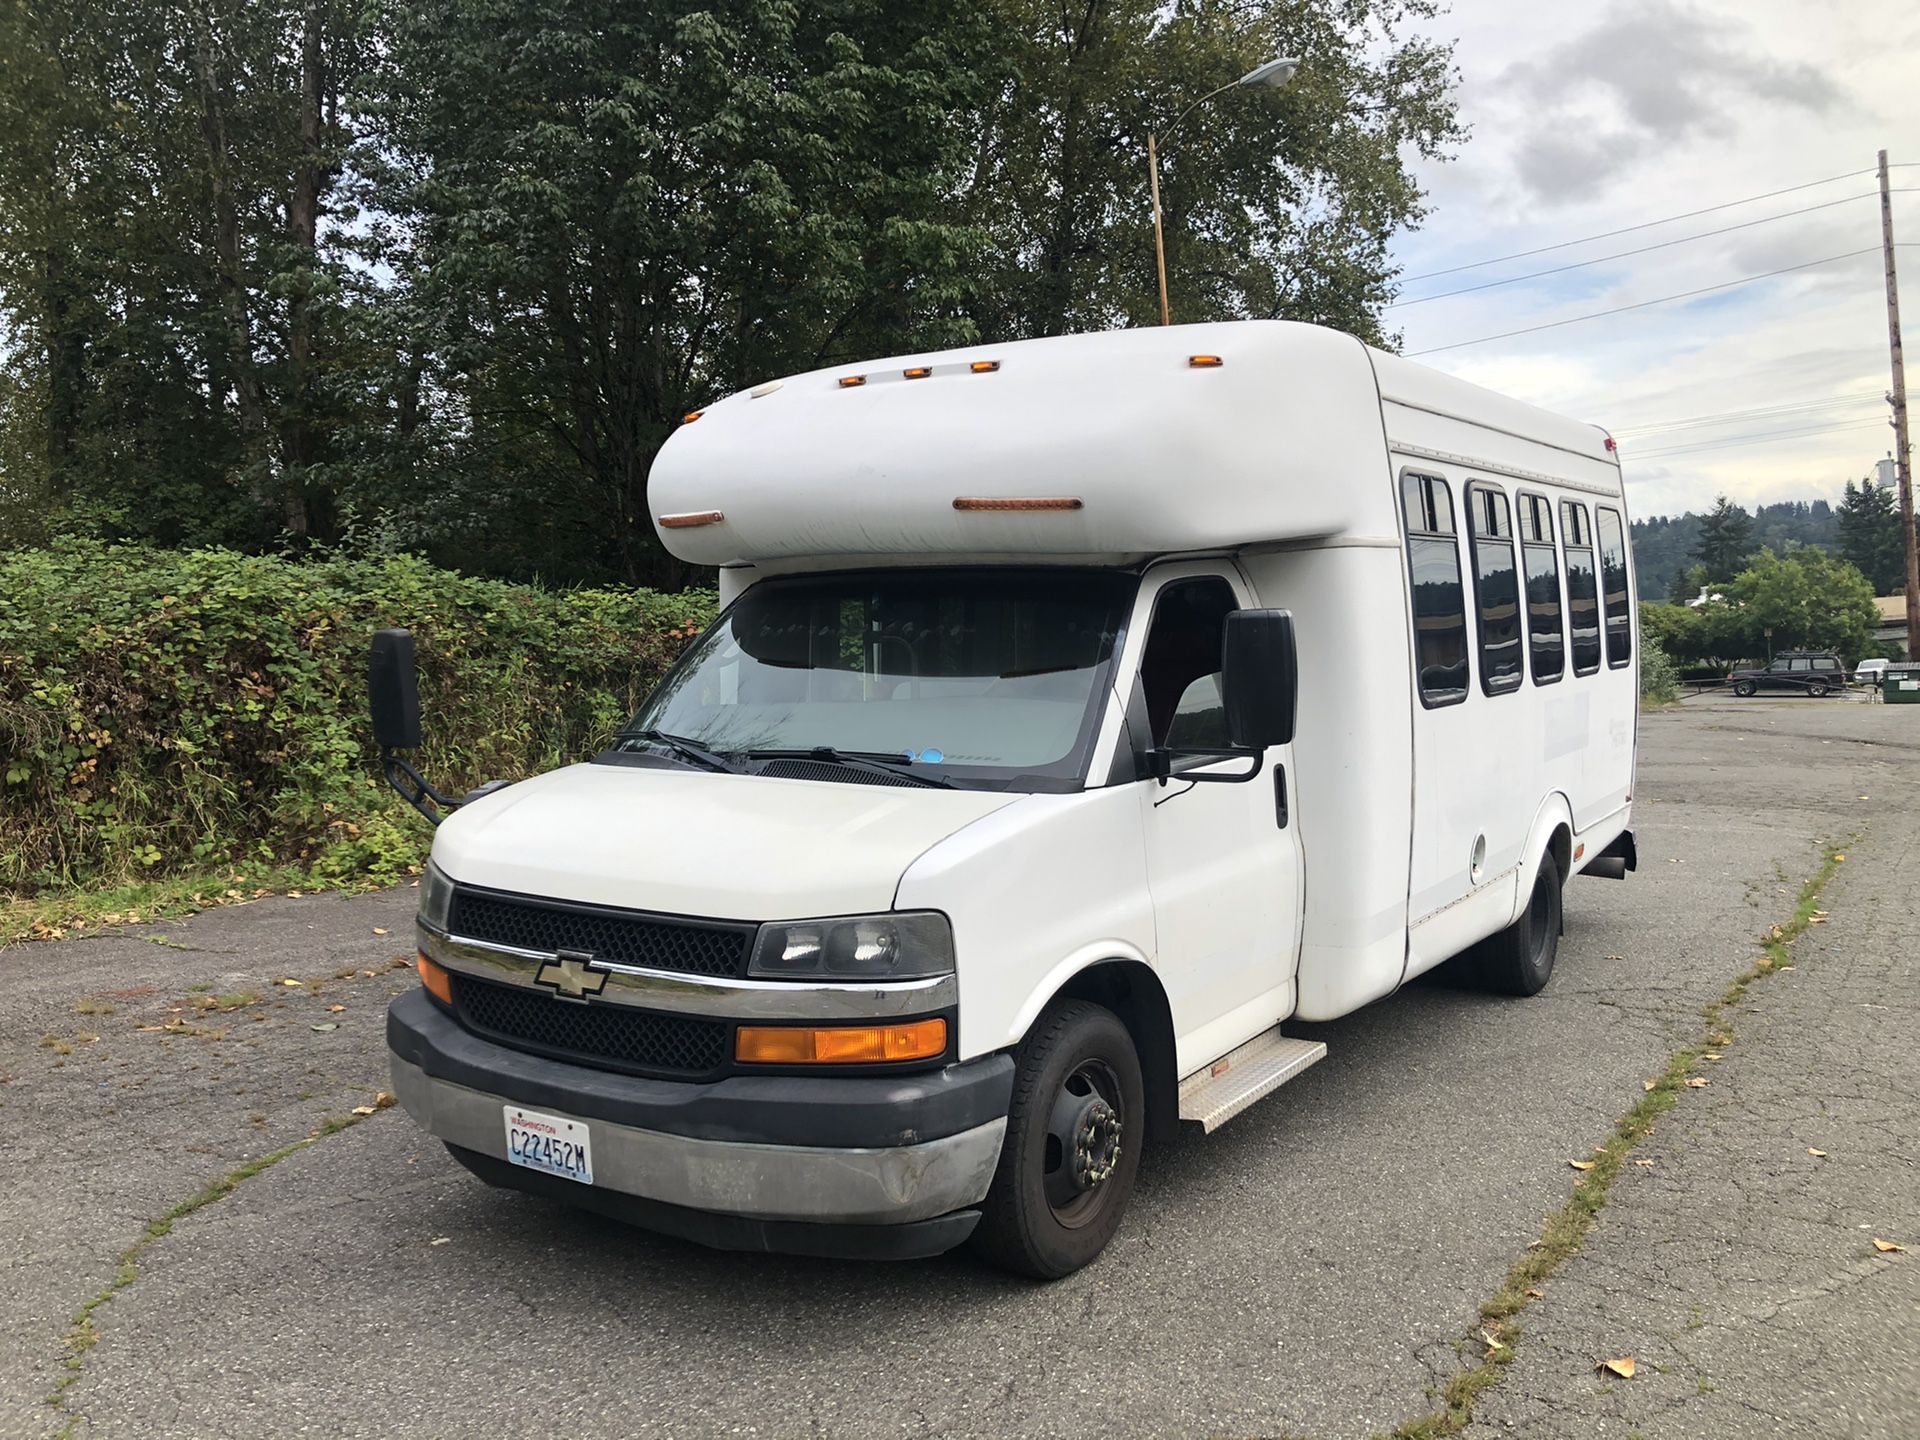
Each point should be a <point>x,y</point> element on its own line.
<point>748,1162</point>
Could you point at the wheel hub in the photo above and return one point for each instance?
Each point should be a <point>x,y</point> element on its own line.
<point>1096,1144</point>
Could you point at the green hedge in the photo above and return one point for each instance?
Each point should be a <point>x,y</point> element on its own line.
<point>165,711</point>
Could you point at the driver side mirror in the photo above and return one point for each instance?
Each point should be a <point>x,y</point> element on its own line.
<point>393,690</point>
<point>1259,678</point>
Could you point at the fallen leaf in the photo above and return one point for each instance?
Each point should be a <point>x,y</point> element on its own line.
<point>382,1100</point>
<point>1536,1294</point>
<point>1817,1154</point>
<point>1863,797</point>
<point>1581,1164</point>
<point>1492,1344</point>
<point>1648,1084</point>
<point>290,982</point>
<point>1644,1164</point>
<point>441,1240</point>
<point>1839,859</point>
<point>1887,1247</point>
<point>1713,1055</point>
<point>1616,957</point>
<point>335,1009</point>
<point>1698,1082</point>
<point>378,931</point>
<point>325,1025</point>
<point>1819,917</point>
<point>1623,1367</point>
<point>363,1110</point>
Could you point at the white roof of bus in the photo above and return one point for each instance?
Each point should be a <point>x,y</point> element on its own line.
<point>1282,440</point>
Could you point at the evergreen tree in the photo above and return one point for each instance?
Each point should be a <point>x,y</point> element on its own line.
<point>1870,535</point>
<point>1726,541</point>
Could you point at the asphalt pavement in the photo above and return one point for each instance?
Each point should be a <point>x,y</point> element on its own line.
<point>1314,1268</point>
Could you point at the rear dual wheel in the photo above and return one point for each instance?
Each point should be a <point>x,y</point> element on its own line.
<point>1072,1149</point>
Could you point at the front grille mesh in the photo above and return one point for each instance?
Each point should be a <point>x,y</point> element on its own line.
<point>618,937</point>
<point>607,1036</point>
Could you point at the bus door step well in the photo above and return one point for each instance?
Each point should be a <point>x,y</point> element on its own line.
<point>1215,1094</point>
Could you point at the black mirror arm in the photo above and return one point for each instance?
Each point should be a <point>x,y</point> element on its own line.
<point>413,788</point>
<point>1160,762</point>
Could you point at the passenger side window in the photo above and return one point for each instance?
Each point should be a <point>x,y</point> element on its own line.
<point>1180,672</point>
<point>1546,638</point>
<point>1613,587</point>
<point>1583,587</point>
<point>1439,599</point>
<point>1496,588</point>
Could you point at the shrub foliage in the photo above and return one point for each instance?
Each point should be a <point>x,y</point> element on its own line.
<point>182,711</point>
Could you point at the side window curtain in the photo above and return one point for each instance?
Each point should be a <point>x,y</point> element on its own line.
<point>1546,635</point>
<point>1496,588</point>
<point>1439,598</point>
<point>1583,587</point>
<point>1613,586</point>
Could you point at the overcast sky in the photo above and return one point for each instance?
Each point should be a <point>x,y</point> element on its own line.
<point>1641,109</point>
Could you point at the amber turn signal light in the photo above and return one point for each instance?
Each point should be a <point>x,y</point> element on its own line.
<point>691,416</point>
<point>439,984</point>
<point>841,1045</point>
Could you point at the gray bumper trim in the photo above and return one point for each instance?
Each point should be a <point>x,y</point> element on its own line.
<point>891,1185</point>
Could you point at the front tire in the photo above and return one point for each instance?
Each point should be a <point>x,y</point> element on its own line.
<point>1743,688</point>
<point>1519,960</point>
<point>1072,1150</point>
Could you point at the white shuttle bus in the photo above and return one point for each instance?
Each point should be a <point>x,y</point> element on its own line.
<point>1083,714</point>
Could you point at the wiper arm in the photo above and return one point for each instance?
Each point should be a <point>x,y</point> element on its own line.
<point>690,750</point>
<point>873,762</point>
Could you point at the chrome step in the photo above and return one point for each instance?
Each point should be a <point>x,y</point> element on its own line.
<point>1212,1096</point>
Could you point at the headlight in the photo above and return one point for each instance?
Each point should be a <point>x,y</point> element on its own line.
<point>436,895</point>
<point>908,946</point>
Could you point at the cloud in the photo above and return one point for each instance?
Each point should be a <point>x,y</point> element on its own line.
<point>1646,77</point>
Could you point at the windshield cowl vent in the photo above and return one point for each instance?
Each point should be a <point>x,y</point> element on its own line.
<point>843,774</point>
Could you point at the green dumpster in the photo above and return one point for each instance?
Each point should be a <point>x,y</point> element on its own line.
<point>1901,685</point>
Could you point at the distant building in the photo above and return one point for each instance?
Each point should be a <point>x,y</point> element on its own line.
<point>1891,629</point>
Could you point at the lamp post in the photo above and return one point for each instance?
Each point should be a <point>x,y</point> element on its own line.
<point>1274,73</point>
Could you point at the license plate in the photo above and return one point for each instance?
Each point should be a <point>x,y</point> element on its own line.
<point>551,1144</point>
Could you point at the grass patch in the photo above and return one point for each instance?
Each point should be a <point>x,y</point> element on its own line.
<point>65,913</point>
<point>83,1334</point>
<point>1567,1227</point>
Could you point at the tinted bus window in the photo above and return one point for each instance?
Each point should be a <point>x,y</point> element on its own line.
<point>1583,588</point>
<point>1613,586</point>
<point>1496,588</point>
<point>1546,639</point>
<point>1439,598</point>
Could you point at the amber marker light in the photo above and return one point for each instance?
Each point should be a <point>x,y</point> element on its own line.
<point>847,382</point>
<point>840,1045</point>
<point>438,983</point>
<point>1018,502</point>
<point>984,367</point>
<point>917,372</point>
<point>691,416</point>
<point>1204,362</point>
<point>690,519</point>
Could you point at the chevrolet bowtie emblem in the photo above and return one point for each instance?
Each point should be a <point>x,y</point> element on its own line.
<point>571,972</point>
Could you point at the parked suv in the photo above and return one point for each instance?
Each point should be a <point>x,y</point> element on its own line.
<point>1811,672</point>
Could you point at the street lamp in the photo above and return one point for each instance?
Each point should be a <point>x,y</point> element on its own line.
<point>1274,73</point>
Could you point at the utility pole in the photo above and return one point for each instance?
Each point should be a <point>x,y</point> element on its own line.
<point>1902,445</point>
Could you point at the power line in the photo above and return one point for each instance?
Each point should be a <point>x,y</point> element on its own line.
<point>1629,229</point>
<point>1644,249</point>
<point>1769,437</point>
<point>1661,300</point>
<point>1762,412</point>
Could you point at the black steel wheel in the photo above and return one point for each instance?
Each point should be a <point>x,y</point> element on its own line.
<point>1073,1144</point>
<point>1519,960</point>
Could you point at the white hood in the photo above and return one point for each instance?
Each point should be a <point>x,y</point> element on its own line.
<point>685,842</point>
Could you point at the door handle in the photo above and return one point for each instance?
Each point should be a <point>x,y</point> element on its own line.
<point>1280,796</point>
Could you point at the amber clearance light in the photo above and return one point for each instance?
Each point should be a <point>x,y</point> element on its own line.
<point>842,1045</point>
<point>436,980</point>
<point>1204,362</point>
<point>688,519</point>
<point>1018,502</point>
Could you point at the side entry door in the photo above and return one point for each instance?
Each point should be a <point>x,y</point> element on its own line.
<point>1223,859</point>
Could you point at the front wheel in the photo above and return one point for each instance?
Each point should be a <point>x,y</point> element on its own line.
<point>1519,960</point>
<point>1073,1144</point>
<point>1743,688</point>
<point>1818,689</point>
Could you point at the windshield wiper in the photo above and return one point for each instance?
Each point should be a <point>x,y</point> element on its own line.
<point>688,750</point>
<point>871,761</point>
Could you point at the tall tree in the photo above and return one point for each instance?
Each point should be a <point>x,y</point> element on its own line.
<point>1726,541</point>
<point>1869,524</point>
<point>1808,599</point>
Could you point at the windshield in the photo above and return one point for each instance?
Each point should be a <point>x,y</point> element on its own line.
<point>989,677</point>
